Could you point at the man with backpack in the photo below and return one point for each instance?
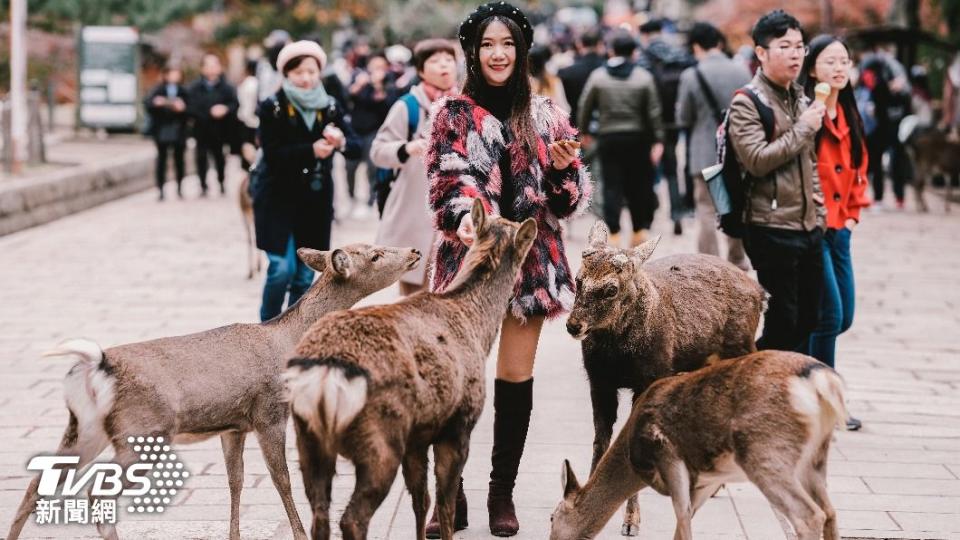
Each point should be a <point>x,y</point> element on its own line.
<point>772,126</point>
<point>705,93</point>
<point>667,62</point>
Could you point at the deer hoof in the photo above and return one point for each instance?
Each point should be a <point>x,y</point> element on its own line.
<point>630,529</point>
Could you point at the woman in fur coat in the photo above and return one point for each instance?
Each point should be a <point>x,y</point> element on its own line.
<point>518,154</point>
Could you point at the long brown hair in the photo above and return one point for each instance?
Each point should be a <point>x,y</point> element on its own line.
<point>477,88</point>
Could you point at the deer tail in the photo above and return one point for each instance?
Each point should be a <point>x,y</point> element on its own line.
<point>327,393</point>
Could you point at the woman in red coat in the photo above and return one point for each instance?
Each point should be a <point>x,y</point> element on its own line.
<point>842,165</point>
<point>499,143</point>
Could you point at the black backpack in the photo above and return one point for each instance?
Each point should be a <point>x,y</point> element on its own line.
<point>736,181</point>
<point>666,74</point>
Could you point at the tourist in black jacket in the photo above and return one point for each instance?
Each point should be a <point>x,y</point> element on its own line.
<point>301,127</point>
<point>167,106</point>
<point>213,106</point>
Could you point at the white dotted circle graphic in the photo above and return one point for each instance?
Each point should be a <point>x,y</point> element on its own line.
<point>166,472</point>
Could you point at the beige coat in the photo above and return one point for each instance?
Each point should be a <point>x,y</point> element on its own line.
<point>406,220</point>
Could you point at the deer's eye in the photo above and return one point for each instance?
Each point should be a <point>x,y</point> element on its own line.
<point>609,291</point>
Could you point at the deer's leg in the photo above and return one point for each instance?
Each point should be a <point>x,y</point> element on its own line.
<point>631,515</point>
<point>318,466</point>
<point>604,400</point>
<point>785,493</point>
<point>376,468</point>
<point>815,480</point>
<point>124,457</point>
<point>87,445</point>
<point>415,465</point>
<point>232,443</point>
<point>677,479</point>
<point>272,440</point>
<point>450,455</point>
<point>701,494</point>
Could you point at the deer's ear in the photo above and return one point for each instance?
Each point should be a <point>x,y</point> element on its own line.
<point>569,479</point>
<point>313,258</point>
<point>599,234</point>
<point>526,235</point>
<point>478,215</point>
<point>341,263</point>
<point>643,252</point>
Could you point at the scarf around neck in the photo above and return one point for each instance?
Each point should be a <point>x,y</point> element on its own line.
<point>307,101</point>
<point>433,93</point>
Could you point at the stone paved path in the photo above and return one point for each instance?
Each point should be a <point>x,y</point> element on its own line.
<point>135,269</point>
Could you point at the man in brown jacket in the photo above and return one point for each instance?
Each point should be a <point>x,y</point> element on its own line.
<point>784,209</point>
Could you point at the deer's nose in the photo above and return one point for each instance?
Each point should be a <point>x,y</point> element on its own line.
<point>574,328</point>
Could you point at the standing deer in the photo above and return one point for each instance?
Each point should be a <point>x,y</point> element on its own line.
<point>224,381</point>
<point>254,260</point>
<point>380,385</point>
<point>640,321</point>
<point>766,418</point>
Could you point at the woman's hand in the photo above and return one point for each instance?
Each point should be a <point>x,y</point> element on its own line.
<point>465,232</point>
<point>562,154</point>
<point>417,147</point>
<point>850,223</point>
<point>322,149</point>
<point>656,153</point>
<point>334,135</point>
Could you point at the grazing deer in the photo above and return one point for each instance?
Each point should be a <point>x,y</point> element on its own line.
<point>222,382</point>
<point>766,418</point>
<point>380,385</point>
<point>640,321</point>
<point>254,261</point>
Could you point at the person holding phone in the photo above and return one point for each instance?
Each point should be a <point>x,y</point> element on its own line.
<point>517,153</point>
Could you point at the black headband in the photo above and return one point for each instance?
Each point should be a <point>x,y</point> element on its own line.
<point>468,28</point>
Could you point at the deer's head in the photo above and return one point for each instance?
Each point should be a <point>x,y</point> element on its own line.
<point>610,281</point>
<point>564,522</point>
<point>497,242</point>
<point>367,268</point>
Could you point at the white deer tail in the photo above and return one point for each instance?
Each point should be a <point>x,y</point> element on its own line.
<point>830,388</point>
<point>88,387</point>
<point>327,393</point>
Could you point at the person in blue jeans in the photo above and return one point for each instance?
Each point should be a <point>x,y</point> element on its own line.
<point>301,128</point>
<point>842,162</point>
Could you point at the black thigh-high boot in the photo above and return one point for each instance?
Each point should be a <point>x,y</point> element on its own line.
<point>512,404</point>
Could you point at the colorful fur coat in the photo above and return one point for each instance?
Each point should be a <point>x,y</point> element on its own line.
<point>463,164</point>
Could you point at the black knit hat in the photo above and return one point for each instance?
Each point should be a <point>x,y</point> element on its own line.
<point>468,28</point>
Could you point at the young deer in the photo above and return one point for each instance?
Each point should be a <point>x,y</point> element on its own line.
<point>222,382</point>
<point>641,321</point>
<point>766,417</point>
<point>380,385</point>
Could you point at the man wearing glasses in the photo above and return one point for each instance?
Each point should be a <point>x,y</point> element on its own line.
<point>784,204</point>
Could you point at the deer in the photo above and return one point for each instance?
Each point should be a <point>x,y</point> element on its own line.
<point>933,151</point>
<point>225,381</point>
<point>640,321</point>
<point>766,418</point>
<point>245,201</point>
<point>380,385</point>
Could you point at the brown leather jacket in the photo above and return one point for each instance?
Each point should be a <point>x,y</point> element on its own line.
<point>784,170</point>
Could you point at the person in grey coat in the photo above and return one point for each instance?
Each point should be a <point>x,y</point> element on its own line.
<point>721,76</point>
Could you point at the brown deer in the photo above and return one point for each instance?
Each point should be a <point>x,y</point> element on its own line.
<point>766,418</point>
<point>380,385</point>
<point>254,260</point>
<point>640,321</point>
<point>934,151</point>
<point>222,382</point>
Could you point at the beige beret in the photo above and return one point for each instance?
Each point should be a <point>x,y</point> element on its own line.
<point>301,48</point>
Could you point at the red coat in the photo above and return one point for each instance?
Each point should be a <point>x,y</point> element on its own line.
<point>462,165</point>
<point>844,188</point>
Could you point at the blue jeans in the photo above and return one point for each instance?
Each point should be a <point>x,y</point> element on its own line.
<point>836,306</point>
<point>284,272</point>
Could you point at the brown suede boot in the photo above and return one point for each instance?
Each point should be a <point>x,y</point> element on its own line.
<point>512,403</point>
<point>459,521</point>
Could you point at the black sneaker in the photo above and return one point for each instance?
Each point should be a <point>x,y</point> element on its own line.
<point>677,228</point>
<point>853,424</point>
